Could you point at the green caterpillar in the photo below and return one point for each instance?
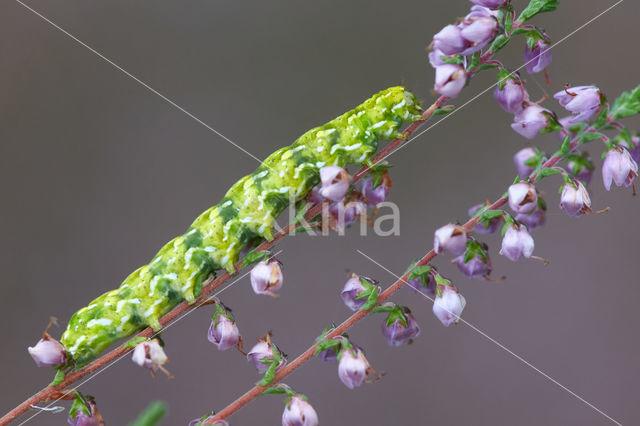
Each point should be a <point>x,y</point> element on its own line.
<point>245,214</point>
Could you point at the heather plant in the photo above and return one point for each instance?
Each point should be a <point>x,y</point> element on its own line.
<point>328,198</point>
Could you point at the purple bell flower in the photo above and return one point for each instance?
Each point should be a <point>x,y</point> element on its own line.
<point>223,332</point>
<point>375,196</point>
<point>397,333</point>
<point>81,418</point>
<point>523,197</point>
<point>531,120</point>
<point>583,101</point>
<point>263,351</point>
<point>344,213</point>
<point>450,80</point>
<point>516,243</point>
<point>448,306</point>
<point>618,167</point>
<point>520,160</point>
<point>452,238</point>
<point>480,228</point>
<point>512,96</point>
<point>335,182</point>
<point>298,412</point>
<point>575,200</point>
<point>435,58</point>
<point>266,277</point>
<point>476,267</point>
<point>353,368</point>
<point>48,352</point>
<point>534,219</point>
<point>477,29</point>
<point>149,354</point>
<point>537,58</point>
<point>353,288</point>
<point>449,40</point>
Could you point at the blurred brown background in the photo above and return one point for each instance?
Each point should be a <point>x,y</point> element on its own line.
<point>96,173</point>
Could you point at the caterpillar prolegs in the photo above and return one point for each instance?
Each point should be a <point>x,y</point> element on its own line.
<point>245,214</point>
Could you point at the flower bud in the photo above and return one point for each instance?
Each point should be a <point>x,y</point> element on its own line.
<point>375,196</point>
<point>582,101</point>
<point>517,242</point>
<point>449,40</point>
<point>417,286</point>
<point>534,219</point>
<point>491,227</point>
<point>531,120</point>
<point>619,167</point>
<point>261,353</point>
<point>452,238</point>
<point>537,56</point>
<point>352,368</point>
<point>298,412</point>
<point>149,354</point>
<point>478,28</point>
<point>266,277</point>
<point>330,355</point>
<point>450,80</point>
<point>491,4</point>
<point>512,95</point>
<point>223,332</point>
<point>356,290</point>
<point>343,214</point>
<point>435,58</point>
<point>335,182</point>
<point>475,262</point>
<point>48,352</point>
<point>523,197</point>
<point>575,200</point>
<point>448,306</point>
<point>520,160</point>
<point>84,412</point>
<point>397,332</point>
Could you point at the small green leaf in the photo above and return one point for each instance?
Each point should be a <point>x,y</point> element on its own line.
<point>372,300</point>
<point>547,171</point>
<point>455,59</point>
<point>253,257</point>
<point>626,105</point>
<point>274,391</point>
<point>60,374</point>
<point>566,144</point>
<point>537,6</point>
<point>475,61</point>
<point>499,42</point>
<point>447,109</point>
<point>270,374</point>
<point>152,415</point>
<point>131,343</point>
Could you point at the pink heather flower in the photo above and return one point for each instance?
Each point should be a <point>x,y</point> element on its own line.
<point>538,58</point>
<point>582,101</point>
<point>298,412</point>
<point>516,243</point>
<point>435,58</point>
<point>491,4</point>
<point>352,368</point>
<point>575,200</point>
<point>531,120</point>
<point>263,351</point>
<point>450,80</point>
<point>266,277</point>
<point>449,40</point>
<point>342,215</point>
<point>480,228</point>
<point>48,352</point>
<point>476,267</point>
<point>618,167</point>
<point>452,238</point>
<point>534,219</point>
<point>397,333</point>
<point>149,354</point>
<point>80,417</point>
<point>352,289</point>
<point>520,160</point>
<point>512,96</point>
<point>375,196</point>
<point>523,197</point>
<point>416,286</point>
<point>314,195</point>
<point>223,333</point>
<point>477,29</point>
<point>335,182</point>
<point>448,306</point>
